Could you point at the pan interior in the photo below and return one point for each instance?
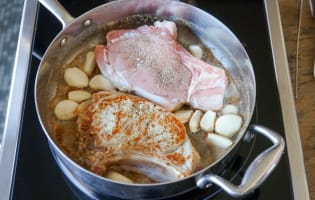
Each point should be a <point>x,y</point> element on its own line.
<point>223,50</point>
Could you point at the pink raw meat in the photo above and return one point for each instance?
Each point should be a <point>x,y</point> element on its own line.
<point>151,63</point>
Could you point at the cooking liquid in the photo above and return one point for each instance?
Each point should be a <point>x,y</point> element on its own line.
<point>65,131</point>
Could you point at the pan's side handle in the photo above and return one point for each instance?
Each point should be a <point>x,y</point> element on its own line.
<point>58,10</point>
<point>258,170</point>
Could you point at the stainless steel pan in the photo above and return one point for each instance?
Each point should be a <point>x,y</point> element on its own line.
<point>88,29</point>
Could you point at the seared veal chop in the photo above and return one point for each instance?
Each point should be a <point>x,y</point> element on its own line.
<point>150,62</point>
<point>120,129</point>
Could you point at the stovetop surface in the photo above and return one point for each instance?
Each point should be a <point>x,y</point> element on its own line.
<point>38,177</point>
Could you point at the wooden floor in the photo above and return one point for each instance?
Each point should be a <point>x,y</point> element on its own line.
<point>305,102</point>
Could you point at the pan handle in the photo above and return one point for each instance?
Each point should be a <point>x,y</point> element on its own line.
<point>258,170</point>
<point>58,10</point>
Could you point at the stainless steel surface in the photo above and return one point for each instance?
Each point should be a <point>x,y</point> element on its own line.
<point>16,97</point>
<point>10,14</point>
<point>293,140</point>
<point>312,7</point>
<point>257,171</point>
<point>86,191</point>
<point>58,10</point>
<point>227,49</point>
<point>215,35</point>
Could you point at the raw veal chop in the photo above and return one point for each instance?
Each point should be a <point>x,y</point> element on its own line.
<point>151,63</point>
<point>120,129</point>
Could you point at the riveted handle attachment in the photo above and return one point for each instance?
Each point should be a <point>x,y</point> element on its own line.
<point>258,170</point>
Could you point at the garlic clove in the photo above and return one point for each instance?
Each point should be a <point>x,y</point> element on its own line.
<point>75,77</point>
<point>228,125</point>
<point>194,122</point>
<point>218,140</point>
<point>66,109</point>
<point>100,82</point>
<point>208,120</point>
<point>79,95</point>
<point>183,115</point>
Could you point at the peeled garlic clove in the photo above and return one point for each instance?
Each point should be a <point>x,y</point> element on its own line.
<point>228,125</point>
<point>66,109</point>
<point>99,82</point>
<point>170,26</point>
<point>194,122</point>
<point>183,115</point>
<point>75,77</point>
<point>218,140</point>
<point>83,106</point>
<point>207,121</point>
<point>118,177</point>
<point>195,50</point>
<point>230,109</point>
<point>90,63</point>
<point>79,95</point>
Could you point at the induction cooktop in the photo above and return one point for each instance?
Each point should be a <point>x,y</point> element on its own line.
<point>29,170</point>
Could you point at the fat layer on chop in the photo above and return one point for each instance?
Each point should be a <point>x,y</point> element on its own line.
<point>151,63</point>
<point>121,129</point>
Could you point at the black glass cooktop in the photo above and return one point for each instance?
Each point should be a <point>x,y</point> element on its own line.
<point>38,177</point>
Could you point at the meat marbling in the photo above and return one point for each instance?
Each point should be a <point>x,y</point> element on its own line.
<point>121,129</point>
<point>151,63</point>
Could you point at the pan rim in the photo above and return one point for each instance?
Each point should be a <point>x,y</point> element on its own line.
<point>82,18</point>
